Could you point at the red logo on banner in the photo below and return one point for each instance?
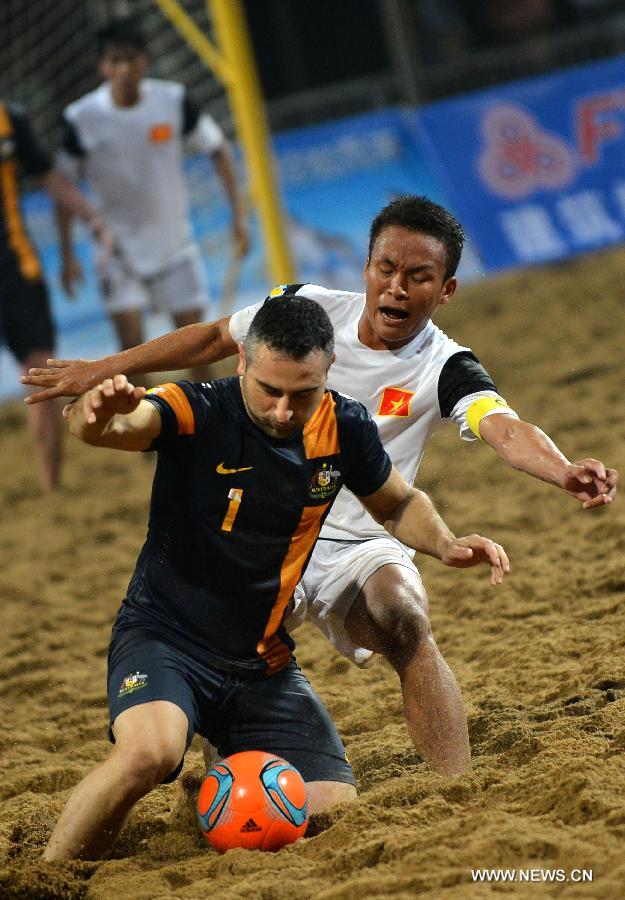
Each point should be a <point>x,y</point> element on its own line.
<point>519,156</point>
<point>395,402</point>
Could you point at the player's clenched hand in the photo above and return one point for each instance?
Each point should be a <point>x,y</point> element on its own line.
<point>461,553</point>
<point>63,378</point>
<point>115,396</point>
<point>590,482</point>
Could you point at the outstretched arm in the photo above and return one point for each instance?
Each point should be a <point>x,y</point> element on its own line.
<point>528,449</point>
<point>409,515</point>
<point>191,346</point>
<point>114,415</point>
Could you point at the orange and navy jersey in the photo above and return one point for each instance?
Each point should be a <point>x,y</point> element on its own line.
<point>19,154</point>
<point>235,515</point>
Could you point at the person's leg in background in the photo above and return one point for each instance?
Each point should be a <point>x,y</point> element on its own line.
<point>181,292</point>
<point>128,327</point>
<point>30,336</point>
<point>124,297</point>
<point>190,317</point>
<point>44,420</point>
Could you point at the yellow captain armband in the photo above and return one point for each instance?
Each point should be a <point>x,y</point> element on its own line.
<point>480,407</point>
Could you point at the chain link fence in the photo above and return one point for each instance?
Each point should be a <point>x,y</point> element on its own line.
<point>50,58</point>
<point>49,54</point>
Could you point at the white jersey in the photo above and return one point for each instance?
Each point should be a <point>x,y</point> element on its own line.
<point>410,392</point>
<point>132,158</point>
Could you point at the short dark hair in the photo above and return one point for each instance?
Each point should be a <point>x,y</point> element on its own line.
<point>121,33</point>
<point>293,325</point>
<point>417,213</point>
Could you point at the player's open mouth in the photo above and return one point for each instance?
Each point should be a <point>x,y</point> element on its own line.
<point>394,313</point>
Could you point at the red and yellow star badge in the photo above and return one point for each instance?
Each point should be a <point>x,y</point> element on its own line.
<point>395,402</point>
<point>161,133</point>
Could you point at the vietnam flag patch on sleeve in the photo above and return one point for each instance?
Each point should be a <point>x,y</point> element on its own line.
<point>395,402</point>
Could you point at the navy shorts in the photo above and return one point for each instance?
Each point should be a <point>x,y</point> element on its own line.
<point>25,320</point>
<point>280,713</point>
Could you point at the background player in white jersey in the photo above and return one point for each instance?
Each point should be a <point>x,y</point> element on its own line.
<point>361,588</point>
<point>127,138</point>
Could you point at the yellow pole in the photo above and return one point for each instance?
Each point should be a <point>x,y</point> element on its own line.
<point>196,39</point>
<point>233,64</point>
<point>251,121</point>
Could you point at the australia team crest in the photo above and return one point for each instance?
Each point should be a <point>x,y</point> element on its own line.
<point>324,483</point>
<point>131,683</point>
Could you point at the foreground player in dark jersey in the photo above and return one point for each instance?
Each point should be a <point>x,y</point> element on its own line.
<point>361,588</point>
<point>247,471</point>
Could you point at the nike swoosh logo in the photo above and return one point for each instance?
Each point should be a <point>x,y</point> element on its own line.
<point>221,469</point>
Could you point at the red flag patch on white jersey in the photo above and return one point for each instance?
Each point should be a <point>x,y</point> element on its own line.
<point>395,402</point>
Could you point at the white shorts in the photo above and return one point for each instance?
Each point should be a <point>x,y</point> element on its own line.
<point>335,575</point>
<point>180,286</point>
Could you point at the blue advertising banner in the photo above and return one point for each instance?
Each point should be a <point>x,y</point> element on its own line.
<point>535,169</point>
<point>335,177</point>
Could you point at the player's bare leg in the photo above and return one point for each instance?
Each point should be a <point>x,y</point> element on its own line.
<point>323,795</point>
<point>129,329</point>
<point>150,742</point>
<point>191,317</point>
<point>389,617</point>
<point>210,754</point>
<point>44,420</point>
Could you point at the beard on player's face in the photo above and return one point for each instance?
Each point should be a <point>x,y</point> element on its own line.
<point>281,393</point>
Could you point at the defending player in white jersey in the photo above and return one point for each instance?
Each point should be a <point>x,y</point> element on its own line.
<point>361,587</point>
<point>127,139</point>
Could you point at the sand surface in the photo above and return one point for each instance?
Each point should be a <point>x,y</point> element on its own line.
<point>540,660</point>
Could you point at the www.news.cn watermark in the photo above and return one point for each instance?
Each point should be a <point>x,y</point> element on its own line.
<point>535,876</point>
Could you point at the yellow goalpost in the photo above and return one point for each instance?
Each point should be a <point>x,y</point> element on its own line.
<point>233,63</point>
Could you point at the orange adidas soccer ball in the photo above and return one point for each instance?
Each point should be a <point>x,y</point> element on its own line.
<point>253,800</point>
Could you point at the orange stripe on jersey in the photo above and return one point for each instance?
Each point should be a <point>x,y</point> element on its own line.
<point>321,437</point>
<point>275,653</point>
<point>27,259</point>
<point>177,399</point>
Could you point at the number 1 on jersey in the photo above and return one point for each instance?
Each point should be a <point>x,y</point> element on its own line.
<point>235,495</point>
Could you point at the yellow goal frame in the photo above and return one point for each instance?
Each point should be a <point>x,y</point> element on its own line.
<point>233,63</point>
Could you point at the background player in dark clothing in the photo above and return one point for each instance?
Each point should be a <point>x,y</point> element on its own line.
<point>25,321</point>
<point>247,470</point>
